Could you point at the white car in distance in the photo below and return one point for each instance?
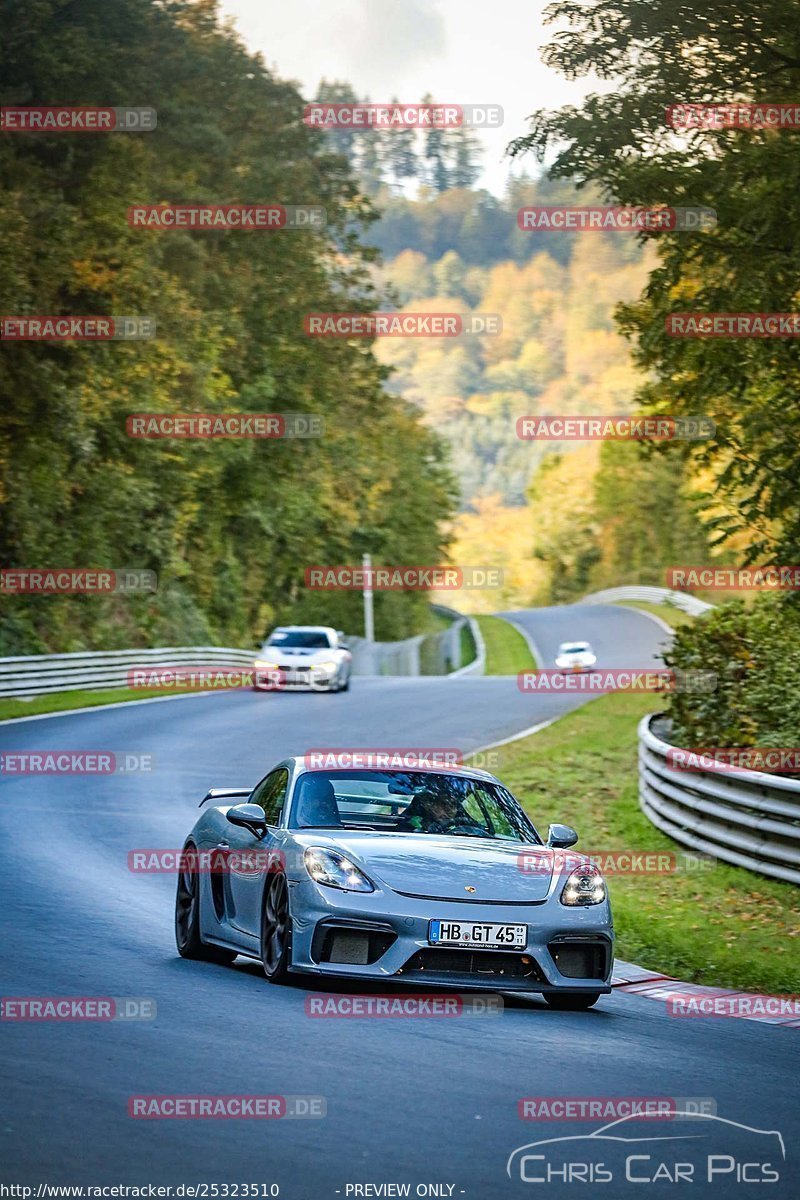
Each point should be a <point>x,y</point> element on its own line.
<point>575,656</point>
<point>304,656</point>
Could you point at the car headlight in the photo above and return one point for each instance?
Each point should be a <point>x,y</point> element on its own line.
<point>334,870</point>
<point>584,886</point>
<point>325,666</point>
<point>266,666</point>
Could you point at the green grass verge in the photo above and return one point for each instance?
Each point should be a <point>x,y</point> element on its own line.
<point>468,649</point>
<point>507,651</point>
<point>673,616</point>
<point>64,701</point>
<point>724,926</point>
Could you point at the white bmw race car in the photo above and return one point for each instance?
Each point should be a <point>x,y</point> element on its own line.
<point>304,656</point>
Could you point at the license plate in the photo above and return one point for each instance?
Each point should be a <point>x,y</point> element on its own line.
<point>475,933</point>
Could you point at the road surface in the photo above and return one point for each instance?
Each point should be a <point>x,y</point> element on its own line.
<point>417,1102</point>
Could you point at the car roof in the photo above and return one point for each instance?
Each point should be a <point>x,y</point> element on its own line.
<point>303,629</point>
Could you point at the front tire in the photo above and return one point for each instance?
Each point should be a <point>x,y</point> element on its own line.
<point>187,920</point>
<point>576,1002</point>
<point>276,931</point>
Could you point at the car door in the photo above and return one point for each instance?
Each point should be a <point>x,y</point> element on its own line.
<point>251,858</point>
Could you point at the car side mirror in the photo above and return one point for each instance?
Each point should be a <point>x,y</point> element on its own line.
<point>249,816</point>
<point>559,837</point>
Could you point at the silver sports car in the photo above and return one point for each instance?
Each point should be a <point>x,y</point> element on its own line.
<point>404,876</point>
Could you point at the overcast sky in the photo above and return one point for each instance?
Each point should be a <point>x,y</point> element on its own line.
<point>461,51</point>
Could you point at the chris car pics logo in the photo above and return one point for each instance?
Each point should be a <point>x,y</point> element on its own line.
<point>699,1147</point>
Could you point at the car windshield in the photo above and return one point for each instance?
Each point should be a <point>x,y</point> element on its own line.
<point>299,639</point>
<point>574,647</point>
<point>409,802</point>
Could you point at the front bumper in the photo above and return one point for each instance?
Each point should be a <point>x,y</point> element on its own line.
<point>383,935</point>
<point>300,679</point>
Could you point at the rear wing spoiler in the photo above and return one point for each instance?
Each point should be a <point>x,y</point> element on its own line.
<point>222,794</point>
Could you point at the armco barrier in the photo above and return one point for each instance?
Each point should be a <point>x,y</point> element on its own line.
<point>386,658</point>
<point>42,673</point>
<point>426,654</point>
<point>650,595</point>
<point>747,818</point>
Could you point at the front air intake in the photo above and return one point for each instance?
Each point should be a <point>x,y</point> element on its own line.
<point>351,945</point>
<point>580,959</point>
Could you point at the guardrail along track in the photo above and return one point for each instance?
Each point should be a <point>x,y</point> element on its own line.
<point>747,818</point>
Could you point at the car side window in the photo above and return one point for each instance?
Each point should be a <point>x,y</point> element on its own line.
<point>472,808</point>
<point>257,794</point>
<point>271,793</point>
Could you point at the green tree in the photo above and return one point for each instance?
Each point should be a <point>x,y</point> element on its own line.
<point>340,139</point>
<point>657,53</point>
<point>646,514</point>
<point>463,151</point>
<point>401,154</point>
<point>437,172</point>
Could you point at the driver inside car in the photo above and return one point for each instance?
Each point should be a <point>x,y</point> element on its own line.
<point>432,813</point>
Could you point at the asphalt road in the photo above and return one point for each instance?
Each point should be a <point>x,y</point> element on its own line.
<point>620,637</point>
<point>419,1102</point>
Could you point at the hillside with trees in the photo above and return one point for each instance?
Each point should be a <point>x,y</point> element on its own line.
<point>228,526</point>
<point>559,519</point>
